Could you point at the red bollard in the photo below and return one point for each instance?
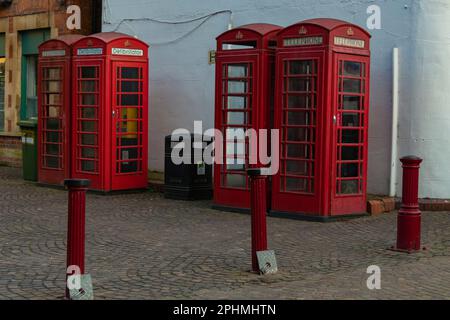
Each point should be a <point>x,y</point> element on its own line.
<point>76,223</point>
<point>258,185</point>
<point>409,216</point>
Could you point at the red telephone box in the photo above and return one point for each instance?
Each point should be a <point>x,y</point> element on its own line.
<point>322,109</point>
<point>110,111</point>
<point>245,66</point>
<point>54,101</point>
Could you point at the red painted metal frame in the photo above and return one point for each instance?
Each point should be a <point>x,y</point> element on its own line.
<point>342,203</point>
<point>325,201</point>
<point>76,225</point>
<point>97,50</point>
<point>259,54</point>
<point>55,54</point>
<point>310,200</point>
<point>122,179</point>
<point>80,135</point>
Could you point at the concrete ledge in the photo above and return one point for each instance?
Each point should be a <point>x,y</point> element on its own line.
<point>432,204</point>
<point>375,205</point>
<point>156,186</point>
<point>379,205</point>
<point>11,135</point>
<point>156,176</point>
<point>315,218</point>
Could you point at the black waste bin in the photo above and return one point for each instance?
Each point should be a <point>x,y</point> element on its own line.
<point>186,181</point>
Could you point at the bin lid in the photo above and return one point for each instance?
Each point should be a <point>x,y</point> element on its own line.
<point>30,123</point>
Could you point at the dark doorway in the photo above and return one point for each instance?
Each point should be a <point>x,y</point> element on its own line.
<point>97,13</point>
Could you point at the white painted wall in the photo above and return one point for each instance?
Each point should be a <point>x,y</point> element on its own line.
<point>182,82</point>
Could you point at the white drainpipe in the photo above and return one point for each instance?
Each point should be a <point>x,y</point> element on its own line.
<point>395,104</point>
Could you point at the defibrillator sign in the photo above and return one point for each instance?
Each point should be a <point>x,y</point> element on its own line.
<point>127,52</point>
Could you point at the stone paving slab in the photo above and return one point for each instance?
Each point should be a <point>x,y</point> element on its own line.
<point>142,246</point>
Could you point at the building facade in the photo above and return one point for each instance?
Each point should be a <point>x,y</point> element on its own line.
<point>24,25</point>
<point>181,34</point>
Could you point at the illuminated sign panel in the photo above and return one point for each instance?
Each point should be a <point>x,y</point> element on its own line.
<point>54,53</point>
<point>89,51</point>
<point>306,41</point>
<point>346,42</point>
<point>127,52</point>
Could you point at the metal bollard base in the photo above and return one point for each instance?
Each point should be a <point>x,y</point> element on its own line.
<point>86,292</point>
<point>412,251</point>
<point>267,262</point>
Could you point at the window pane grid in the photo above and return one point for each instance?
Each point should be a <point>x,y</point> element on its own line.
<point>351,129</point>
<point>129,123</point>
<point>237,93</point>
<point>299,126</point>
<point>87,141</point>
<point>51,119</point>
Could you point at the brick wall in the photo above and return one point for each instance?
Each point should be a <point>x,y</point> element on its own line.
<point>24,15</point>
<point>11,151</point>
<point>57,9</point>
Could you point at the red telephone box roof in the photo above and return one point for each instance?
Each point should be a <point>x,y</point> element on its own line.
<point>327,24</point>
<point>110,44</point>
<point>261,28</point>
<point>108,37</point>
<point>259,32</point>
<point>67,39</point>
<point>331,24</point>
<point>333,33</point>
<point>58,47</point>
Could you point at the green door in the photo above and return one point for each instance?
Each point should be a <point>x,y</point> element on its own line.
<point>28,107</point>
<point>30,50</point>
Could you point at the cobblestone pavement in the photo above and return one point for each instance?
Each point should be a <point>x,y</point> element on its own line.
<point>141,246</point>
